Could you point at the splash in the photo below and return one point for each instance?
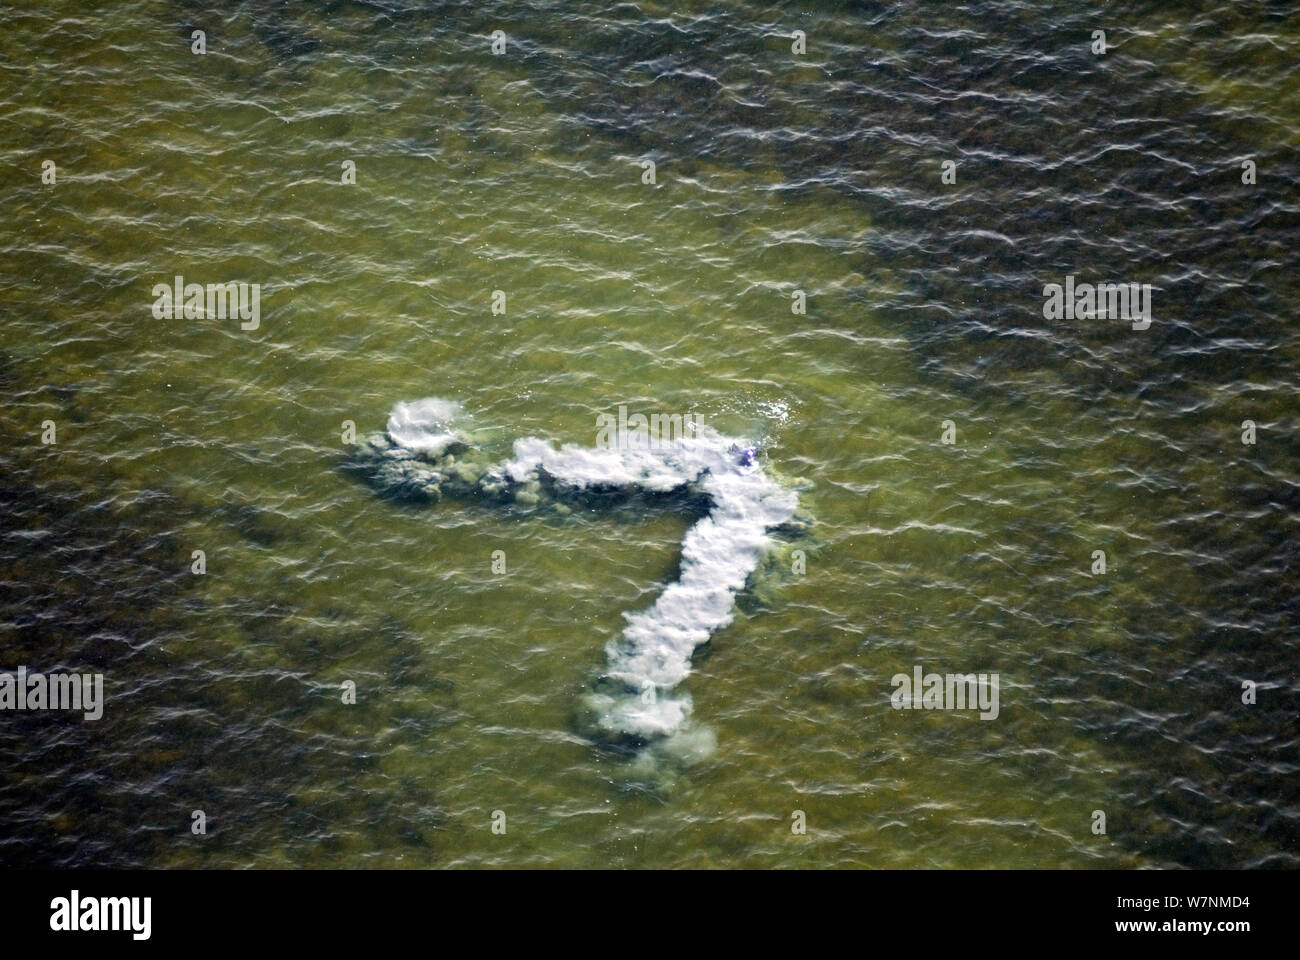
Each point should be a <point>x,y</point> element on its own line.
<point>419,457</point>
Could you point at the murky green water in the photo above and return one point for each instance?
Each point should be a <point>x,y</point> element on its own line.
<point>774,173</point>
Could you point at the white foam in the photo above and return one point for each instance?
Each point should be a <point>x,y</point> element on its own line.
<point>719,552</point>
<point>425,426</point>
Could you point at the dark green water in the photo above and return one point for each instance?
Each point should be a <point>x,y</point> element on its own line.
<point>774,172</point>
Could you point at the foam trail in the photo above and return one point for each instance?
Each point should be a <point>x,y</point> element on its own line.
<point>652,656</point>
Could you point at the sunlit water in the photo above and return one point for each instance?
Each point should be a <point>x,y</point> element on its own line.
<point>775,173</point>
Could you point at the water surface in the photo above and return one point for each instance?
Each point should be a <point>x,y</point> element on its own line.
<point>774,173</point>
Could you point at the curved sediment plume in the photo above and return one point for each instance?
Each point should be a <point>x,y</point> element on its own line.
<point>426,455</point>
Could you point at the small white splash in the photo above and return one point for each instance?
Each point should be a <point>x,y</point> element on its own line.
<point>425,426</point>
<point>777,410</point>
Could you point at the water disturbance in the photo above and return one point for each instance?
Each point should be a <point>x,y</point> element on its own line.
<point>718,554</point>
